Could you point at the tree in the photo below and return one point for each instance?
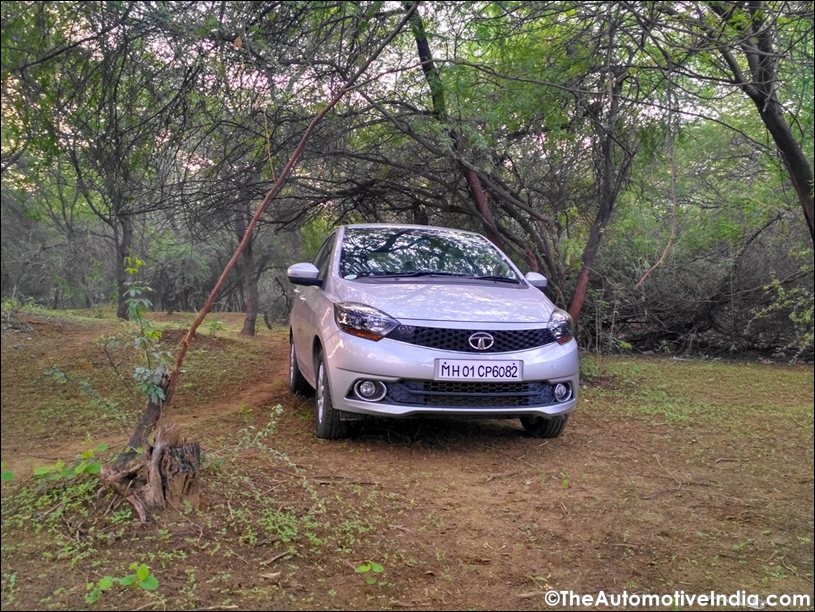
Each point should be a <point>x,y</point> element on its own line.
<point>765,49</point>
<point>115,110</point>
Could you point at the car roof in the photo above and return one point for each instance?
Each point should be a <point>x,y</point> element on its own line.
<point>434,228</point>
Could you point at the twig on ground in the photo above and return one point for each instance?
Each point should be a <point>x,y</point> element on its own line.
<point>336,479</point>
<point>674,478</point>
<point>271,576</point>
<point>531,594</point>
<point>278,556</point>
<point>791,569</point>
<point>506,474</point>
<point>240,557</point>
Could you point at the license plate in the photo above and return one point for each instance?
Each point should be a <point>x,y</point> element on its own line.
<point>472,369</point>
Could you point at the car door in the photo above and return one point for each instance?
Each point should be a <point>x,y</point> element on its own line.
<point>307,311</point>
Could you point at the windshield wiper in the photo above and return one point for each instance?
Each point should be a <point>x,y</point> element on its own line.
<point>419,273</point>
<point>487,277</point>
<point>500,279</point>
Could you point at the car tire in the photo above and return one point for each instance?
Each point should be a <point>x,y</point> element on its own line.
<point>539,427</point>
<point>329,426</point>
<point>297,384</point>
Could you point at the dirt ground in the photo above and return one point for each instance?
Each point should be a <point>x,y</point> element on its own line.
<point>672,476</point>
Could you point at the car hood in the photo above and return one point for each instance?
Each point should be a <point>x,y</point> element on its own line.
<point>450,301</point>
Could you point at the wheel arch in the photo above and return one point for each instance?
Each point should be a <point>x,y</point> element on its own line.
<point>316,351</point>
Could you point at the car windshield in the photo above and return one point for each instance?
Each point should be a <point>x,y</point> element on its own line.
<point>415,252</point>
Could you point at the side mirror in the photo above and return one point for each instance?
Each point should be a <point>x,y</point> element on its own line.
<point>304,274</point>
<point>536,280</point>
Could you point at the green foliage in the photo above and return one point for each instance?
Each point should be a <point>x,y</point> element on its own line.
<point>137,303</point>
<point>314,232</point>
<point>141,578</point>
<point>5,475</point>
<point>799,302</point>
<point>11,308</point>
<point>150,372</point>
<point>251,437</point>
<point>179,269</point>
<point>149,382</point>
<point>589,367</point>
<point>85,463</point>
<point>370,567</point>
<point>215,326</point>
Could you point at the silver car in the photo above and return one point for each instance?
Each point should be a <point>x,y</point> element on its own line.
<point>400,320</point>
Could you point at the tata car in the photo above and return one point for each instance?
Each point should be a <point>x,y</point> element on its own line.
<point>402,321</point>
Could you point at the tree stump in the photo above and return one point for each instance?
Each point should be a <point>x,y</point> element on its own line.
<point>165,474</point>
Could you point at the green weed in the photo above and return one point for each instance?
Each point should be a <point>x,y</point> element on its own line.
<point>215,326</point>
<point>140,578</point>
<point>370,569</point>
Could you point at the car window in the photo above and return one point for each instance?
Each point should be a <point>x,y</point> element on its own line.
<point>323,258</point>
<point>412,251</point>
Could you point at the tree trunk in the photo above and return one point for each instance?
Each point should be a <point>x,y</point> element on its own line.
<point>123,251</point>
<point>172,470</point>
<point>249,280</point>
<point>607,202</point>
<point>762,57</point>
<point>431,73</point>
<point>147,421</point>
<point>589,254</point>
<point>609,188</point>
<point>792,155</point>
<point>482,206</point>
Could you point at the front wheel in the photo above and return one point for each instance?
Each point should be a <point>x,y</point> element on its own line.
<point>329,425</point>
<point>539,427</point>
<point>297,384</point>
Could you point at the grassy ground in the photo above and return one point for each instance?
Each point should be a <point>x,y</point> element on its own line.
<point>672,475</point>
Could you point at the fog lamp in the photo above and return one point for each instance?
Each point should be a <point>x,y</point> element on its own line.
<point>369,390</point>
<point>562,392</point>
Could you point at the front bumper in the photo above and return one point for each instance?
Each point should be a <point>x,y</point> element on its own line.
<point>399,365</point>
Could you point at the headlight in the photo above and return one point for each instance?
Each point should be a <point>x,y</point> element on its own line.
<point>363,321</point>
<point>561,325</point>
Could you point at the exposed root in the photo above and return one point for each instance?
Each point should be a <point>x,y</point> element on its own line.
<point>166,473</point>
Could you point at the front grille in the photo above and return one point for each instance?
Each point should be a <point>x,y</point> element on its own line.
<point>464,394</point>
<point>458,339</point>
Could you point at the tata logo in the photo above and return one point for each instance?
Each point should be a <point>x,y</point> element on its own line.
<point>481,341</point>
